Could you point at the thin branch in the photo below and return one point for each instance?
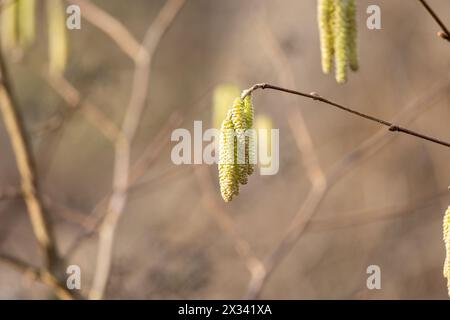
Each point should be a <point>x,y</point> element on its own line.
<point>445,33</point>
<point>138,169</point>
<point>364,217</point>
<point>29,186</point>
<point>296,119</point>
<point>226,223</point>
<point>133,113</point>
<point>314,96</point>
<point>317,194</point>
<point>110,26</point>
<point>91,112</point>
<point>43,276</point>
<point>25,165</point>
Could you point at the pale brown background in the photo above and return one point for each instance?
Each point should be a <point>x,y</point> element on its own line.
<point>168,245</point>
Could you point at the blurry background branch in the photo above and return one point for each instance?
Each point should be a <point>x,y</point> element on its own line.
<point>229,53</point>
<point>316,195</point>
<point>42,275</point>
<point>110,26</point>
<point>133,113</point>
<point>29,183</point>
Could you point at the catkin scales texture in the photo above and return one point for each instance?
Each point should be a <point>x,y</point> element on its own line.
<point>240,125</point>
<point>337,29</point>
<point>229,185</point>
<point>352,46</point>
<point>250,153</point>
<point>340,41</point>
<point>236,149</point>
<point>446,233</point>
<point>325,14</point>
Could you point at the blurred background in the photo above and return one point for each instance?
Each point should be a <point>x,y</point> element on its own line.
<point>176,238</point>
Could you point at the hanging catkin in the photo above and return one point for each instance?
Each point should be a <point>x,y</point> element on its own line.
<point>250,153</point>
<point>236,148</point>
<point>446,233</point>
<point>337,28</point>
<point>229,186</point>
<point>325,18</point>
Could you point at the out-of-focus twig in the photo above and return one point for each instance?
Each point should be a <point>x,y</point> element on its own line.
<point>133,113</point>
<point>73,99</point>
<point>445,33</point>
<point>296,120</point>
<point>25,165</point>
<point>372,215</point>
<point>29,184</point>
<point>211,204</point>
<point>42,275</point>
<point>110,26</point>
<point>301,135</point>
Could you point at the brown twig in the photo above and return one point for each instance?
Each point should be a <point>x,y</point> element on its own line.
<point>364,217</point>
<point>73,100</point>
<point>296,119</point>
<point>121,174</point>
<point>29,185</point>
<point>314,96</point>
<point>25,165</point>
<point>43,276</point>
<point>225,222</point>
<point>110,26</point>
<point>315,197</point>
<point>445,33</point>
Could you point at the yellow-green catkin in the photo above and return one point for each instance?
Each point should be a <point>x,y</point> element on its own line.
<point>446,232</point>
<point>352,47</point>
<point>57,36</point>
<point>325,19</point>
<point>8,30</point>
<point>338,33</point>
<point>26,21</point>
<point>341,39</point>
<point>223,97</point>
<point>239,119</point>
<point>250,154</point>
<point>228,180</point>
<point>236,147</point>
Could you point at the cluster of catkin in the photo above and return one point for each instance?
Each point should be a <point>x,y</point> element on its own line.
<point>446,227</point>
<point>236,140</point>
<point>337,27</point>
<point>18,29</point>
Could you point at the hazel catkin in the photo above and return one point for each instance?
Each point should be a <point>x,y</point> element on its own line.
<point>236,148</point>
<point>446,236</point>
<point>338,32</point>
